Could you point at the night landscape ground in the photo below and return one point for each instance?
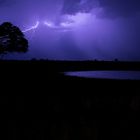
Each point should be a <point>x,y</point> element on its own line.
<point>70,116</point>
<point>88,109</point>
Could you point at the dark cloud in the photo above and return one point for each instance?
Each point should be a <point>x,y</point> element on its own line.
<point>120,7</point>
<point>73,6</point>
<point>70,7</point>
<point>6,2</point>
<point>111,8</point>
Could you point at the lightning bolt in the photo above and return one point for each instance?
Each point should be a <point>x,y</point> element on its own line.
<point>32,27</point>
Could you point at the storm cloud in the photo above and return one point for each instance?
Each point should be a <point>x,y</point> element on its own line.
<point>120,7</point>
<point>110,8</point>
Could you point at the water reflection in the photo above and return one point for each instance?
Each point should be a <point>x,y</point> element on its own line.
<point>120,75</point>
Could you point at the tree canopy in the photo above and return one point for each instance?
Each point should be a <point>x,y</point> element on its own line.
<point>12,39</point>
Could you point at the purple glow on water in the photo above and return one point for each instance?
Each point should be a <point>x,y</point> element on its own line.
<point>118,75</point>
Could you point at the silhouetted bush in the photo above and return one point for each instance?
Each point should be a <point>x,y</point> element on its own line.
<point>12,39</point>
<point>116,60</point>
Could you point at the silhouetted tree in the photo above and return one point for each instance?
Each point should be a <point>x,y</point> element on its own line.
<point>12,39</point>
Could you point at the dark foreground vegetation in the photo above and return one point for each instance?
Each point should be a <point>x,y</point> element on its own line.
<point>89,109</point>
<point>70,117</point>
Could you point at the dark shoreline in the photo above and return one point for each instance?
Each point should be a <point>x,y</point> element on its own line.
<point>53,71</point>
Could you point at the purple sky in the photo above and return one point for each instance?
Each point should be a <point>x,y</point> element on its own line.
<point>77,29</point>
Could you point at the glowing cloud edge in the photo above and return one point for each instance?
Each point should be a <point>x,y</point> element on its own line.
<point>68,23</point>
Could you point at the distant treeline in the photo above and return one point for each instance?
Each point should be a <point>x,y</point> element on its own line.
<point>61,66</point>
